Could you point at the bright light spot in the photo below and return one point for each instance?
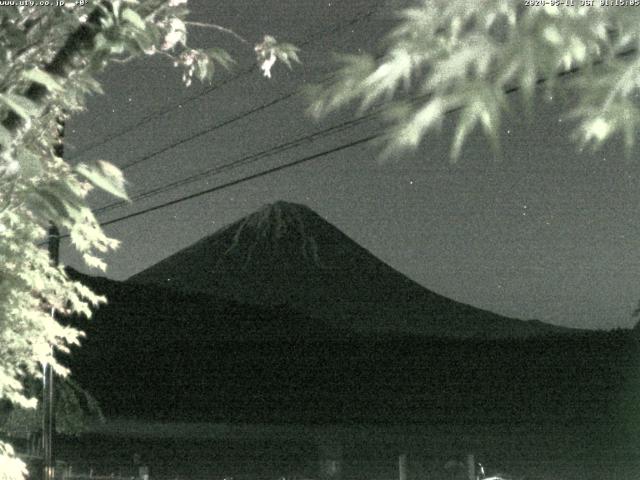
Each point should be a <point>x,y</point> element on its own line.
<point>267,64</point>
<point>552,34</point>
<point>177,34</point>
<point>597,129</point>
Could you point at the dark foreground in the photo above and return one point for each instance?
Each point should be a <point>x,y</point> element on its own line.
<point>558,407</point>
<point>269,452</point>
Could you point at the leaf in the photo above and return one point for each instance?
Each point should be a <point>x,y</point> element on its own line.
<point>20,105</point>
<point>106,176</point>
<point>43,78</point>
<point>5,136</point>
<point>145,40</point>
<point>133,18</point>
<point>596,129</point>
<point>71,198</point>
<point>204,68</point>
<point>220,56</point>
<point>100,42</point>
<point>465,125</point>
<point>388,76</point>
<point>285,52</point>
<point>94,262</point>
<point>30,164</point>
<point>347,85</point>
<point>425,118</point>
<point>90,85</point>
<point>56,205</point>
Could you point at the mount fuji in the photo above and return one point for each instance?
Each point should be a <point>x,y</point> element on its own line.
<point>280,317</point>
<point>286,254</point>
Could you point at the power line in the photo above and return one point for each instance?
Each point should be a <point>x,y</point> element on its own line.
<point>218,169</point>
<point>248,159</point>
<point>243,161</point>
<point>152,116</point>
<point>217,126</point>
<point>239,180</point>
<point>243,179</point>
<point>207,130</point>
<point>302,160</point>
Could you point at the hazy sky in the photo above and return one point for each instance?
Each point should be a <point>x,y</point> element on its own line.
<point>548,232</point>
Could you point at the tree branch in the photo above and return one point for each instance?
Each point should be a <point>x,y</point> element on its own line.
<point>219,28</point>
<point>80,39</point>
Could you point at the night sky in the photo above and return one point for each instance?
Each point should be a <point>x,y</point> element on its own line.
<point>546,232</point>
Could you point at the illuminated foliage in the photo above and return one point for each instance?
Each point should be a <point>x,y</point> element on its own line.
<point>449,56</point>
<point>49,58</point>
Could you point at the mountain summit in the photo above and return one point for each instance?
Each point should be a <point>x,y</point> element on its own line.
<point>285,253</point>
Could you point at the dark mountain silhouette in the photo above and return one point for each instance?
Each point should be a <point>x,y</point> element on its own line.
<point>157,354</point>
<point>287,254</point>
<point>162,355</point>
<point>149,309</point>
<point>301,341</point>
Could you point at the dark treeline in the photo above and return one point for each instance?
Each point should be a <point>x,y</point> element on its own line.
<point>156,354</point>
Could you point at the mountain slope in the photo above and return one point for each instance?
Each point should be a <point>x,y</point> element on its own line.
<point>287,254</point>
<point>162,355</point>
<point>157,353</point>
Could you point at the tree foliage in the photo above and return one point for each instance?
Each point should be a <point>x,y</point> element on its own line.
<point>49,58</point>
<point>75,410</point>
<point>448,56</point>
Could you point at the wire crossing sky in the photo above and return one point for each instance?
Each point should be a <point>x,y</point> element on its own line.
<point>548,232</point>
<point>182,103</point>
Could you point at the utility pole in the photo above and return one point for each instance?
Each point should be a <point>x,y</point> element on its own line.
<point>47,379</point>
<point>48,417</point>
